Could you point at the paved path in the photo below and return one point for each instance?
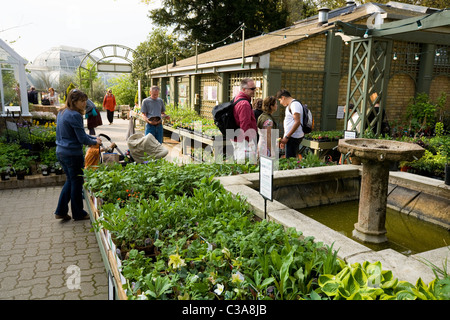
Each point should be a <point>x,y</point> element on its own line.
<point>38,253</point>
<point>45,258</point>
<point>41,257</point>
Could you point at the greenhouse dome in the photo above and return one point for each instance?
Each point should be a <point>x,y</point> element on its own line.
<point>50,65</point>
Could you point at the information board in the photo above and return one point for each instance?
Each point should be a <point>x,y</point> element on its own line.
<point>266,177</point>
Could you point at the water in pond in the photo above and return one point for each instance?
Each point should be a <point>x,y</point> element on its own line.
<point>406,234</point>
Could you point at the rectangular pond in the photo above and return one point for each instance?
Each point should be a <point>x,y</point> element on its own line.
<point>406,234</point>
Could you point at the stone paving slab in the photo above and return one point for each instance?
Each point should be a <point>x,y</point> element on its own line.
<point>45,258</point>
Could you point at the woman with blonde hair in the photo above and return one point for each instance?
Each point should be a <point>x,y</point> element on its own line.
<point>70,138</point>
<point>266,128</point>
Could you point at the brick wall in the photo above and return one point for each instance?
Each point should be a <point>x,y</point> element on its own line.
<point>441,84</point>
<point>305,55</point>
<point>303,66</point>
<point>401,89</point>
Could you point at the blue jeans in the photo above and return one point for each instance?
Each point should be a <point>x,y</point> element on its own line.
<point>157,131</point>
<point>72,190</point>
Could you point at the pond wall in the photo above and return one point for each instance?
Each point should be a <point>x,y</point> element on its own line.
<point>326,185</point>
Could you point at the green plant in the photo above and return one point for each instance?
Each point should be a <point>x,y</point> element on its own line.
<point>422,113</point>
<point>325,135</point>
<point>369,282</point>
<point>48,156</point>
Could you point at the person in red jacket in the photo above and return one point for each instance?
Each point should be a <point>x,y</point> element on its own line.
<point>244,142</point>
<point>109,103</point>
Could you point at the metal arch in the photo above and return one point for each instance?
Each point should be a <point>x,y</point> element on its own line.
<point>104,56</point>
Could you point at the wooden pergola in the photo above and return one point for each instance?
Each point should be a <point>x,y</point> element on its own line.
<point>370,62</point>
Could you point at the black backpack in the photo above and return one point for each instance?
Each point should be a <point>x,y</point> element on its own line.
<point>224,117</point>
<point>307,121</point>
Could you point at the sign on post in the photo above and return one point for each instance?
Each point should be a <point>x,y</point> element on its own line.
<point>266,180</point>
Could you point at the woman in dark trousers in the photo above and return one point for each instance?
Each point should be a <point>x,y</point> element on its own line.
<point>70,138</point>
<point>109,103</point>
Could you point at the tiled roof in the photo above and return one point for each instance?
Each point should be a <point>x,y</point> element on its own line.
<point>298,32</point>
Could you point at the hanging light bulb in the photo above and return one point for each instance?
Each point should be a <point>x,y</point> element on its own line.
<point>419,24</point>
<point>416,57</point>
<point>395,56</point>
<point>366,35</point>
<point>438,53</point>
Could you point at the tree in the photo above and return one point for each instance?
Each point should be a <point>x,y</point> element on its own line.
<point>124,89</point>
<point>152,53</point>
<point>213,21</point>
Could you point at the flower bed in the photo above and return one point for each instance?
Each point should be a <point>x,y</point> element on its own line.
<point>29,148</point>
<point>178,234</point>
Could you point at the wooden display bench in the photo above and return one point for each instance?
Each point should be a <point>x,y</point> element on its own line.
<point>191,140</point>
<point>320,148</point>
<point>108,252</point>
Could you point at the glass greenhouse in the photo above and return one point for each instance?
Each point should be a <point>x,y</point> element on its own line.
<point>13,87</point>
<point>49,66</point>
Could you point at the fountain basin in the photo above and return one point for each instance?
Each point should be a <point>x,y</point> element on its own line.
<point>374,154</point>
<point>380,150</point>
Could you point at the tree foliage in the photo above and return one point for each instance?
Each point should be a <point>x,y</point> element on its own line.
<point>213,21</point>
<point>152,53</point>
<point>124,89</point>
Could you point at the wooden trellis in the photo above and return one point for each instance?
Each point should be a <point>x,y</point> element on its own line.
<point>367,83</point>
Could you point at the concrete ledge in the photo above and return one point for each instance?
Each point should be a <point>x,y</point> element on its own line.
<point>420,183</point>
<point>307,175</point>
<point>404,268</point>
<point>310,228</point>
<point>33,181</point>
<point>421,197</point>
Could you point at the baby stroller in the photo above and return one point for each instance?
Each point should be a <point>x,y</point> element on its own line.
<point>94,154</point>
<point>142,146</point>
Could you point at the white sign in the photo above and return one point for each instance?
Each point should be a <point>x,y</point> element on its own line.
<point>349,134</point>
<point>340,112</point>
<point>266,177</point>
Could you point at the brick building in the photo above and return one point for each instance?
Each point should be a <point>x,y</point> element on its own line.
<point>312,59</point>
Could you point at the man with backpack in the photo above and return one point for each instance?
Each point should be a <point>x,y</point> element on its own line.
<point>293,132</point>
<point>244,143</point>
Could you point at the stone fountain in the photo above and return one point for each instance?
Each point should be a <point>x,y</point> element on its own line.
<point>375,156</point>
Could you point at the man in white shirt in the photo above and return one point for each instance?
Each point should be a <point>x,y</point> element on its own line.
<point>293,132</point>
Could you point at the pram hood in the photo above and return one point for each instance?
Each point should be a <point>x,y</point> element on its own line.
<point>140,144</point>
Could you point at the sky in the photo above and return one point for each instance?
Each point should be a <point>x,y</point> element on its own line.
<point>32,27</point>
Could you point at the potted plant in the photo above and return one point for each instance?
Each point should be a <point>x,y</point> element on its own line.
<point>5,172</point>
<point>44,169</point>
<point>21,170</point>
<point>58,168</point>
<point>21,166</point>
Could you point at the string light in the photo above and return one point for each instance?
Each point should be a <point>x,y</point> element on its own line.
<point>366,34</point>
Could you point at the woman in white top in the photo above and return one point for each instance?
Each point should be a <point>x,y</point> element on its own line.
<point>267,137</point>
<point>53,97</point>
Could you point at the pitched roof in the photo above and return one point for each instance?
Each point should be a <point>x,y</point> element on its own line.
<point>300,31</point>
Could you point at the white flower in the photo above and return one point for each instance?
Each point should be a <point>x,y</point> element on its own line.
<point>219,289</point>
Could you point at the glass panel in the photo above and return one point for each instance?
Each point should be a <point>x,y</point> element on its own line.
<point>9,82</point>
<point>11,91</point>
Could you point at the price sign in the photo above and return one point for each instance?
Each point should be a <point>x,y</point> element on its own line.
<point>266,178</point>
